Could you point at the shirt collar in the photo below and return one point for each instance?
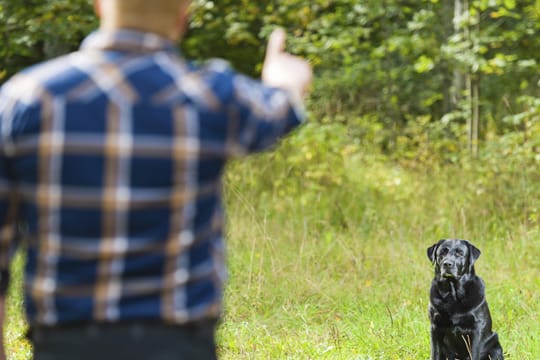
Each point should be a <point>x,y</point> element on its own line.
<point>127,40</point>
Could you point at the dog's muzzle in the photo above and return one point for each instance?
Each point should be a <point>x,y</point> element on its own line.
<point>449,269</point>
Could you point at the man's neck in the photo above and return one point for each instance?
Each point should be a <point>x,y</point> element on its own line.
<point>116,26</point>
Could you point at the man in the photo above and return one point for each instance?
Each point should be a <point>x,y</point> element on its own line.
<point>111,158</point>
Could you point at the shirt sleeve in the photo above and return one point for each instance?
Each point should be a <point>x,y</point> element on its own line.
<point>259,116</point>
<point>9,199</point>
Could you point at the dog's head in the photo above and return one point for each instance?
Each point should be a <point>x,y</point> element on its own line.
<point>453,258</point>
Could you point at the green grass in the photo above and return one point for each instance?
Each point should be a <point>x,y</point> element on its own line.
<point>16,345</point>
<point>339,270</point>
<point>345,275</point>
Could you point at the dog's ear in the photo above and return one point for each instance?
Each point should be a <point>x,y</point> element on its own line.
<point>474,254</point>
<point>432,251</point>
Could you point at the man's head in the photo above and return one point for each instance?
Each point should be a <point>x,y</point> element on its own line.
<point>165,17</point>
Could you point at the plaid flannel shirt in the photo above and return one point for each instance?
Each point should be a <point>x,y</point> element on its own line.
<point>111,161</point>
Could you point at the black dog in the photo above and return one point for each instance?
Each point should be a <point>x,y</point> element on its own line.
<point>458,311</point>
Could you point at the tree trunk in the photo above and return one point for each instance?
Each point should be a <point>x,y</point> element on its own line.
<point>458,84</point>
<point>475,107</point>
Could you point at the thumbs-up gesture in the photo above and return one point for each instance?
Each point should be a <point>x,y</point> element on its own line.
<point>283,70</point>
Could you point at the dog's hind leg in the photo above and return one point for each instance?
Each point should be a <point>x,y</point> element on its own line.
<point>493,349</point>
<point>440,352</point>
<point>496,354</point>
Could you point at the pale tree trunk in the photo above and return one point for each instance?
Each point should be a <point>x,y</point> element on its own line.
<point>459,81</point>
<point>475,104</point>
<point>466,85</point>
<point>449,104</point>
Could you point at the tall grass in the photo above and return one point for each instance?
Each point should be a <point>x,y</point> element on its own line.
<point>334,265</point>
<point>345,275</point>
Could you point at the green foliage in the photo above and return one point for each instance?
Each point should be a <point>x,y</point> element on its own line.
<point>226,29</point>
<point>34,30</point>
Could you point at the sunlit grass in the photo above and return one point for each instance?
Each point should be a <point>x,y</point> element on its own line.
<point>16,347</point>
<point>351,280</point>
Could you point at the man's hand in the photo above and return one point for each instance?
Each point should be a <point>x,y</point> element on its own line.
<point>283,70</point>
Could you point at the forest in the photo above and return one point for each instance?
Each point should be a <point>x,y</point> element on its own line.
<point>424,122</point>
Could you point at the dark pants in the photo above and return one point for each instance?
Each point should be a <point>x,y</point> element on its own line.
<point>130,341</point>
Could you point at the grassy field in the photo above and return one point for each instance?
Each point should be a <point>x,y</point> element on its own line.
<point>345,274</point>
<point>341,272</point>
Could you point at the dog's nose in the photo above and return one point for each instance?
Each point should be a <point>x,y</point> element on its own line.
<point>447,264</point>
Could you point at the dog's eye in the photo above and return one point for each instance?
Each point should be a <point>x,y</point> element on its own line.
<point>444,251</point>
<point>460,252</point>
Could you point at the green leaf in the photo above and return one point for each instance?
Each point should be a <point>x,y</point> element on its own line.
<point>424,64</point>
<point>510,4</point>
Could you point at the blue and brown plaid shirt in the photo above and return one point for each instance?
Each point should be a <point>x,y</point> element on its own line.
<point>111,161</point>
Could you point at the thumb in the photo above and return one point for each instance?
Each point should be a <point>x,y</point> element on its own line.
<point>276,43</point>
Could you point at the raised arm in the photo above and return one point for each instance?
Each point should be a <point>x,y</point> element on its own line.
<point>283,70</point>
